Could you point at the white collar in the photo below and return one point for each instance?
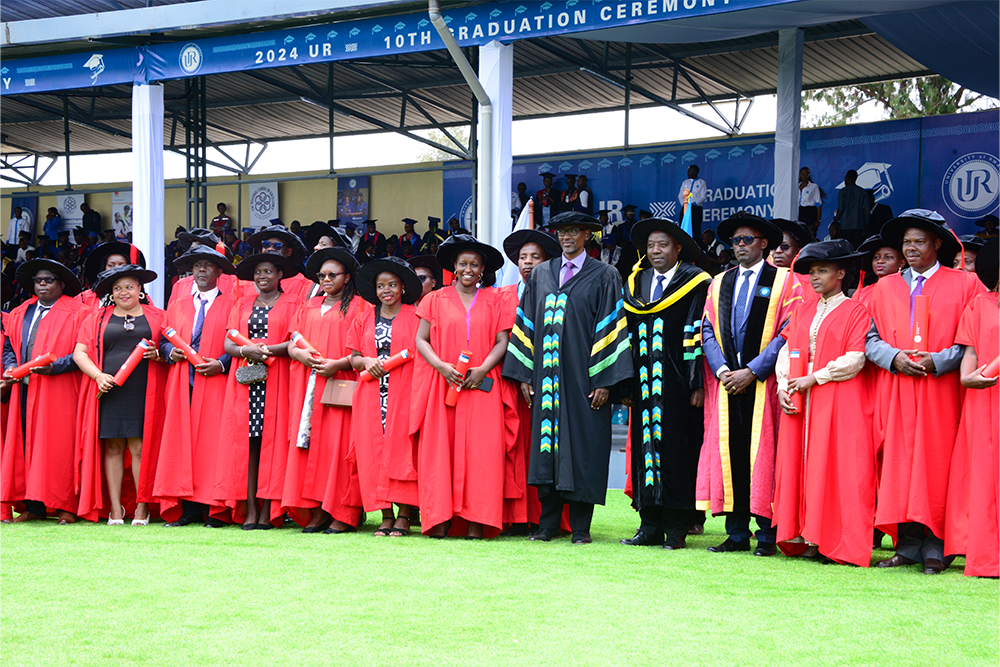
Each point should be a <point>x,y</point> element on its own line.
<point>926,273</point>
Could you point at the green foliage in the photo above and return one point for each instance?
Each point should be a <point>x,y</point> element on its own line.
<point>431,154</point>
<point>91,594</point>
<point>904,98</point>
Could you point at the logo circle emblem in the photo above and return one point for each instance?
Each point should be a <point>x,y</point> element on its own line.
<point>262,203</point>
<point>69,205</point>
<point>190,58</point>
<point>765,291</point>
<point>971,186</point>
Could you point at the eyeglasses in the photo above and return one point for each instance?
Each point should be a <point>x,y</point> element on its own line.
<point>331,276</point>
<point>45,280</point>
<point>745,240</point>
<point>276,245</point>
<point>568,231</point>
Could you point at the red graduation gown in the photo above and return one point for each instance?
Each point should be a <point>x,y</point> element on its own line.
<point>187,464</point>
<point>6,510</point>
<point>825,479</point>
<point>386,461</point>
<point>972,523</point>
<point>809,295</point>
<point>919,416</point>
<point>234,447</point>
<point>520,503</point>
<point>462,450</point>
<point>91,480</point>
<point>322,475</point>
<point>43,467</point>
<point>228,284</point>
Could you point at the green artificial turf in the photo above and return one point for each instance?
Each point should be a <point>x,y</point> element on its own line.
<point>97,595</point>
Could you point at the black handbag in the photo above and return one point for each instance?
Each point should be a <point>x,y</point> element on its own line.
<point>252,373</point>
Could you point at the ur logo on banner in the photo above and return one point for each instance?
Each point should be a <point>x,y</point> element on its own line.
<point>971,185</point>
<point>190,58</point>
<point>96,65</point>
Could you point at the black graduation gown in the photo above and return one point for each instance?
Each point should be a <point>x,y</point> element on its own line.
<point>666,430</point>
<point>566,342</point>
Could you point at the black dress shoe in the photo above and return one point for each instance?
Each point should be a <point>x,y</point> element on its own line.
<point>184,520</point>
<point>249,526</point>
<point>764,549</point>
<point>516,530</point>
<point>542,535</point>
<point>934,566</point>
<point>895,561</point>
<point>729,546</point>
<point>320,528</point>
<point>641,539</point>
<point>696,529</point>
<point>674,545</point>
<point>212,522</point>
<point>581,537</point>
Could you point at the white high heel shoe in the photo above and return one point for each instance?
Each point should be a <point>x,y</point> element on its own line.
<point>142,522</point>
<point>117,522</point>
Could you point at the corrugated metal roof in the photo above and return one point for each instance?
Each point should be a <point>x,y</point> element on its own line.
<point>553,76</point>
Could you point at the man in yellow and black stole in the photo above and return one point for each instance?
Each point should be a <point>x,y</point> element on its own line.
<point>664,302</point>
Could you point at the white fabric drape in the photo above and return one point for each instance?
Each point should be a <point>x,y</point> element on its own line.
<point>147,182</point>
<point>786,131</point>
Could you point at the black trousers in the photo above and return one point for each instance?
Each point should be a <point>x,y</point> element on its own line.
<point>916,542</point>
<point>672,523</point>
<point>580,514</point>
<point>696,216</point>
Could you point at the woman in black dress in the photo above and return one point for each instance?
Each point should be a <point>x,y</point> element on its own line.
<point>106,340</point>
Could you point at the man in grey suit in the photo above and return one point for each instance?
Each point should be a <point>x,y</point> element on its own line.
<point>919,395</point>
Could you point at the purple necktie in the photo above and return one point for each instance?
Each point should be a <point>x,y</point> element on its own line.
<point>917,291</point>
<point>568,270</point>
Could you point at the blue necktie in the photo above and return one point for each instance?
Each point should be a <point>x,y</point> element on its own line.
<point>196,335</point>
<point>741,310</point>
<point>657,289</point>
<point>917,291</point>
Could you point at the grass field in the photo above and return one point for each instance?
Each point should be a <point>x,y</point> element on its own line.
<point>96,595</point>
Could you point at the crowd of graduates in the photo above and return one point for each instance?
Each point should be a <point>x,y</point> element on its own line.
<point>315,375</point>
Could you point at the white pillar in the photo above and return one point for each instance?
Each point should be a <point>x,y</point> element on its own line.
<point>786,131</point>
<point>147,182</point>
<point>496,72</point>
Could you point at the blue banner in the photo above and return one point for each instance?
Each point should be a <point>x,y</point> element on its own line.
<point>347,40</point>
<point>352,199</point>
<point>945,163</point>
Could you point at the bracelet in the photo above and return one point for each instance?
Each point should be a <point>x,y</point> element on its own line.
<point>242,356</point>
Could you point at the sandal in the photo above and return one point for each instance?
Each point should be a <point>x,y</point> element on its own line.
<point>400,532</point>
<point>118,522</point>
<point>141,522</point>
<point>382,532</point>
<point>447,527</point>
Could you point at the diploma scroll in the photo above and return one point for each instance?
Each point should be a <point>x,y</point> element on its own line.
<point>993,370</point>
<point>193,357</point>
<point>301,343</point>
<point>242,340</point>
<point>796,369</point>
<point>130,364</point>
<point>462,367</point>
<point>24,369</point>
<point>395,360</point>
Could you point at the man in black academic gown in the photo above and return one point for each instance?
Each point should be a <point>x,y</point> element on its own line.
<point>569,350</point>
<point>665,303</point>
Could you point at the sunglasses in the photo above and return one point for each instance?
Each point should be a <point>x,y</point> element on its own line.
<point>424,279</point>
<point>744,240</point>
<point>43,280</point>
<point>331,276</point>
<point>785,247</point>
<point>276,245</point>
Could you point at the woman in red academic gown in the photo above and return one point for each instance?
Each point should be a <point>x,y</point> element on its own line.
<point>386,455</point>
<point>972,525</point>
<point>462,449</point>
<point>39,451</point>
<point>824,496</point>
<point>880,259</point>
<point>126,417</point>
<point>321,485</point>
<point>6,513</point>
<point>255,422</point>
<point>527,248</point>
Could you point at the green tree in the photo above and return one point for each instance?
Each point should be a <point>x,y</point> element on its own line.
<point>431,154</point>
<point>903,98</point>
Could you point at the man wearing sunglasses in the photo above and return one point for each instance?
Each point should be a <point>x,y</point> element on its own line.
<point>795,236</point>
<point>746,309</point>
<point>40,433</point>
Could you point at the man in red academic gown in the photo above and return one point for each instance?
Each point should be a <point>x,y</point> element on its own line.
<point>228,284</point>
<point>186,468</point>
<point>919,401</point>
<point>40,433</point>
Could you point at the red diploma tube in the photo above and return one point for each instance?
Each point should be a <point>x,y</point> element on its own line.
<point>796,369</point>
<point>25,368</point>
<point>301,343</point>
<point>921,313</point>
<point>462,366</point>
<point>133,360</point>
<point>242,340</point>
<point>993,370</point>
<point>193,357</point>
<point>397,359</point>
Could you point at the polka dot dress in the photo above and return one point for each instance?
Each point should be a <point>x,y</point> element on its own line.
<point>383,345</point>
<point>258,329</point>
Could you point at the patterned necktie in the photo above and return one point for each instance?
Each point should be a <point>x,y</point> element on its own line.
<point>917,291</point>
<point>30,346</point>
<point>196,335</point>
<point>741,310</point>
<point>568,270</point>
<point>657,289</point>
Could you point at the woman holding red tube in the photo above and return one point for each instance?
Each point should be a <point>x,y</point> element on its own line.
<point>118,420</point>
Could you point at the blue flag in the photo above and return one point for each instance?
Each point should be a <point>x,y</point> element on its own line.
<point>686,223</point>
